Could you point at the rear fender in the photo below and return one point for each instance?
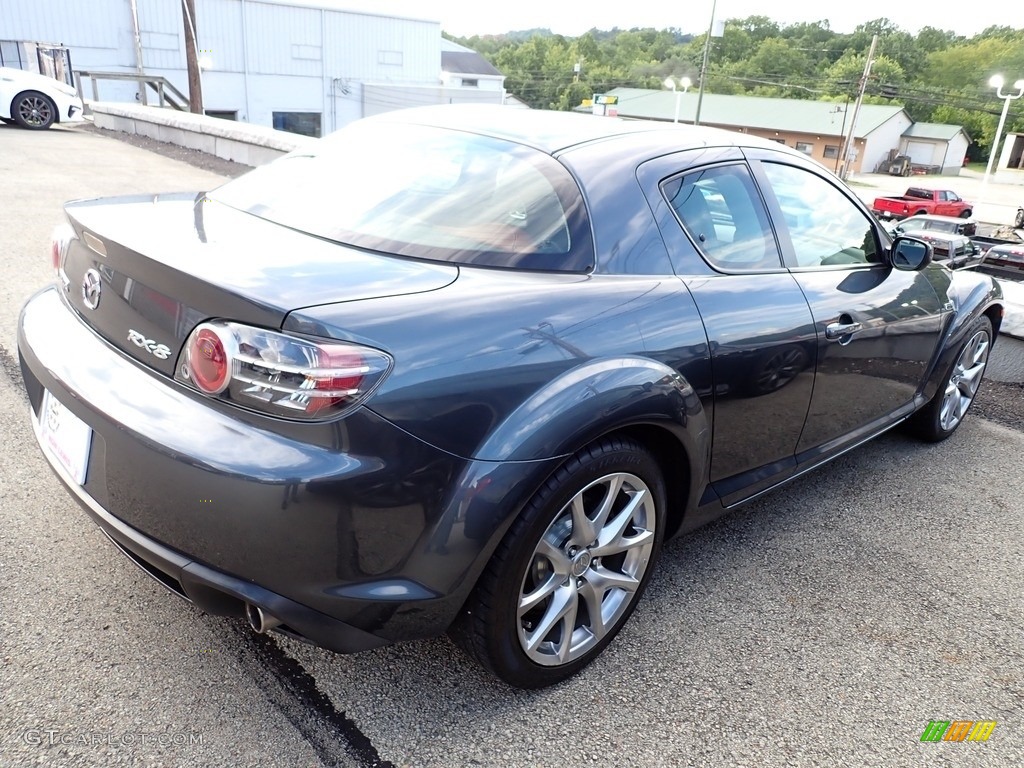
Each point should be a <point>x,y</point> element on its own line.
<point>593,399</point>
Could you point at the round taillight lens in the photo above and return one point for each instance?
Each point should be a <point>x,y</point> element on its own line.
<point>208,361</point>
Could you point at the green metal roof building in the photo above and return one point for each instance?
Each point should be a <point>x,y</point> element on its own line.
<point>816,128</point>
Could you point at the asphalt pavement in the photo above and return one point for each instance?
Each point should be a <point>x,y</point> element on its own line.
<point>825,624</point>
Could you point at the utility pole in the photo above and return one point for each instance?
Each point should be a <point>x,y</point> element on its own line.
<point>856,107</point>
<point>704,65</point>
<point>138,50</point>
<point>195,82</point>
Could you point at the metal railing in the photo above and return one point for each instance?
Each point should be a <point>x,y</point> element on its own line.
<point>167,94</point>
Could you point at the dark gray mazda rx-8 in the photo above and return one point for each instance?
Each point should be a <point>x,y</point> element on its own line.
<point>464,369</point>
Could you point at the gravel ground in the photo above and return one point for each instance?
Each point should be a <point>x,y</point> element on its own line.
<point>1002,402</point>
<point>193,157</point>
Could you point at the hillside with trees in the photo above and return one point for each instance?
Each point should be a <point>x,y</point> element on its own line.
<point>937,75</point>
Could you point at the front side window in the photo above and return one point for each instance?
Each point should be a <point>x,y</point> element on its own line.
<point>427,193</point>
<point>721,210</point>
<point>826,228</point>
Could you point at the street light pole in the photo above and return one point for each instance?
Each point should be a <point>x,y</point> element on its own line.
<point>685,83</point>
<point>996,81</point>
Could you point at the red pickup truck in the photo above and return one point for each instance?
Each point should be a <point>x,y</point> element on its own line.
<point>943,202</point>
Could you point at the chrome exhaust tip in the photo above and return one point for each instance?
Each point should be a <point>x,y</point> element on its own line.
<point>260,621</point>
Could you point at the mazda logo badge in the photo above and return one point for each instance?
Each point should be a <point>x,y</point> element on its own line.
<point>91,288</point>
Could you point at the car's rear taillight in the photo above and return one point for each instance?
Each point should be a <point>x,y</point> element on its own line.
<point>279,374</point>
<point>62,236</point>
<point>207,359</point>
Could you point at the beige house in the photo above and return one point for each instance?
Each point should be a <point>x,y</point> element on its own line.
<point>816,128</point>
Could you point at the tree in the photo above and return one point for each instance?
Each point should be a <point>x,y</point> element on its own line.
<point>843,77</point>
<point>937,76</point>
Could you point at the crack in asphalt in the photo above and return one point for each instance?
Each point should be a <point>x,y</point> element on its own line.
<point>334,737</point>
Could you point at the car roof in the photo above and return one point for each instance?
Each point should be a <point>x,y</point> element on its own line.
<point>1015,248</point>
<point>553,132</point>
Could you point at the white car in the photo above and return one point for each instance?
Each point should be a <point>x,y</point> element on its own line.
<point>36,101</point>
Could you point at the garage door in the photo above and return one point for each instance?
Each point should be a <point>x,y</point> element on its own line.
<point>921,152</point>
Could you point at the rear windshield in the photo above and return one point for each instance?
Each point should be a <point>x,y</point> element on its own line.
<point>427,193</point>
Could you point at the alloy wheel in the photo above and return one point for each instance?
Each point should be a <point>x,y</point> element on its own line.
<point>586,569</point>
<point>964,381</point>
<point>35,111</point>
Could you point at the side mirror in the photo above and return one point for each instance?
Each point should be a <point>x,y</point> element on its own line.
<point>910,254</point>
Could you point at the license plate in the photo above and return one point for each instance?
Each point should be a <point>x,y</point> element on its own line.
<point>65,437</point>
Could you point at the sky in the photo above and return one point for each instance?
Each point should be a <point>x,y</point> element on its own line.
<point>464,18</point>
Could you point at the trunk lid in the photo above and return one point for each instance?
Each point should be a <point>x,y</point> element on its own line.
<point>156,266</point>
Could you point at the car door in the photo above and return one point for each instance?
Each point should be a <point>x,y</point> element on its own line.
<point>877,328</point>
<point>947,203</point>
<point>759,326</point>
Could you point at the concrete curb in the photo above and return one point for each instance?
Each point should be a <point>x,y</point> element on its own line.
<point>244,143</point>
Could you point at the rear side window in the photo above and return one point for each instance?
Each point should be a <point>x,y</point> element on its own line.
<point>721,210</point>
<point>427,193</point>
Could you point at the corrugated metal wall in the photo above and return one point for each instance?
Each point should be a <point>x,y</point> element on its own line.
<point>283,40</point>
<point>263,56</point>
<point>162,30</point>
<point>92,24</point>
<point>220,34</point>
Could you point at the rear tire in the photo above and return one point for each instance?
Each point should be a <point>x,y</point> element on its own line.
<point>946,410</point>
<point>1018,222</point>
<point>570,570</point>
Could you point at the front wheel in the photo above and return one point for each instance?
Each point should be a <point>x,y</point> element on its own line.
<point>966,214</point>
<point>1019,221</point>
<point>33,110</point>
<point>946,410</point>
<point>571,569</point>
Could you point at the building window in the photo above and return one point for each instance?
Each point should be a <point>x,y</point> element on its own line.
<point>223,114</point>
<point>831,152</point>
<point>306,123</point>
<point>803,146</point>
<point>780,141</point>
<point>10,54</point>
<point>470,83</point>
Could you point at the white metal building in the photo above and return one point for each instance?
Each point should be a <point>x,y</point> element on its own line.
<point>298,65</point>
<point>936,145</point>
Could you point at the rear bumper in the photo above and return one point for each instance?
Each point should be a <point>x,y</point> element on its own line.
<point>353,533</point>
<point>213,590</point>
<point>888,215</point>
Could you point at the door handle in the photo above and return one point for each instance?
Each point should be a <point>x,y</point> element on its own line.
<point>838,331</point>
